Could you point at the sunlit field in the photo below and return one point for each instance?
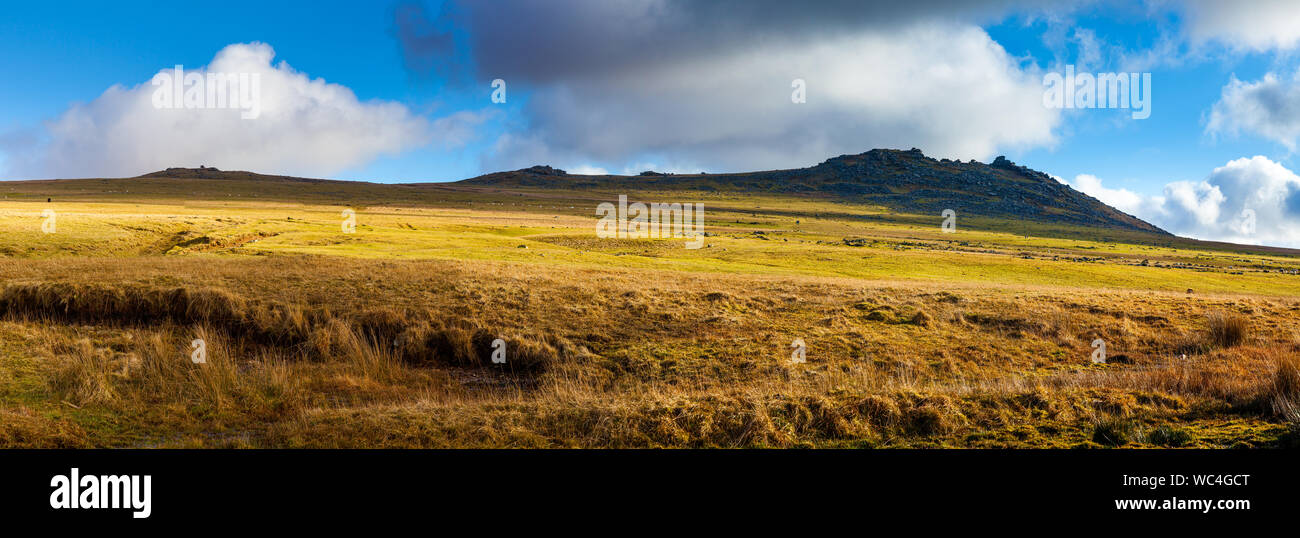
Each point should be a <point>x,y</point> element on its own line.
<point>318,336</point>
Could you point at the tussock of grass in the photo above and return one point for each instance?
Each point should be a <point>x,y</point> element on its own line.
<point>1114,432</point>
<point>1283,394</point>
<point>25,428</point>
<point>270,323</point>
<point>409,337</point>
<point>1227,329</point>
<point>1169,436</point>
<point>85,375</point>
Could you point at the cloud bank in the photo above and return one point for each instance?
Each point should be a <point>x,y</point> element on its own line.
<point>1256,25</point>
<point>1219,207</point>
<point>305,127</point>
<point>708,85</point>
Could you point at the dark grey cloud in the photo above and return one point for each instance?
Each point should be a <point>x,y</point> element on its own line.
<point>427,43</point>
<point>541,41</point>
<point>707,84</point>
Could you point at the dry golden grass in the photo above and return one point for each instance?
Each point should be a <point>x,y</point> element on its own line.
<point>1283,395</point>
<point>1228,329</point>
<point>314,339</point>
<point>694,361</point>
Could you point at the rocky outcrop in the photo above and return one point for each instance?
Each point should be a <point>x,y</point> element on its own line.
<point>544,171</point>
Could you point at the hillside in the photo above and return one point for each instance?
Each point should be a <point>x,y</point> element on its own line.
<point>904,181</point>
<point>206,172</point>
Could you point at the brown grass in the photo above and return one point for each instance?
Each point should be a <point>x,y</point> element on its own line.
<point>611,359</point>
<point>1283,394</point>
<point>1227,329</point>
<point>411,336</point>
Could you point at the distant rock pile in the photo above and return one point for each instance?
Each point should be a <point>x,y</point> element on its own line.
<point>544,171</point>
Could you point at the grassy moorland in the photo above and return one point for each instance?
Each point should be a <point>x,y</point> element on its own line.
<point>383,337</point>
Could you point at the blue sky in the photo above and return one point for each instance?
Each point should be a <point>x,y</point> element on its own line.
<point>400,91</point>
<point>1143,155</point>
<point>70,52</point>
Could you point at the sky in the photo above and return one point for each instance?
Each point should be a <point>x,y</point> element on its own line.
<point>442,90</point>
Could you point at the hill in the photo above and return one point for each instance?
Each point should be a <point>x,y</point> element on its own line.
<point>905,181</point>
<point>878,187</point>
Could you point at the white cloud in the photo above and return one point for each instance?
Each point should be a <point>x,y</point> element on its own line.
<point>1258,25</point>
<point>944,87</point>
<point>1269,107</point>
<point>1122,199</point>
<point>306,127</point>
<point>1218,207</point>
<point>588,170</point>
